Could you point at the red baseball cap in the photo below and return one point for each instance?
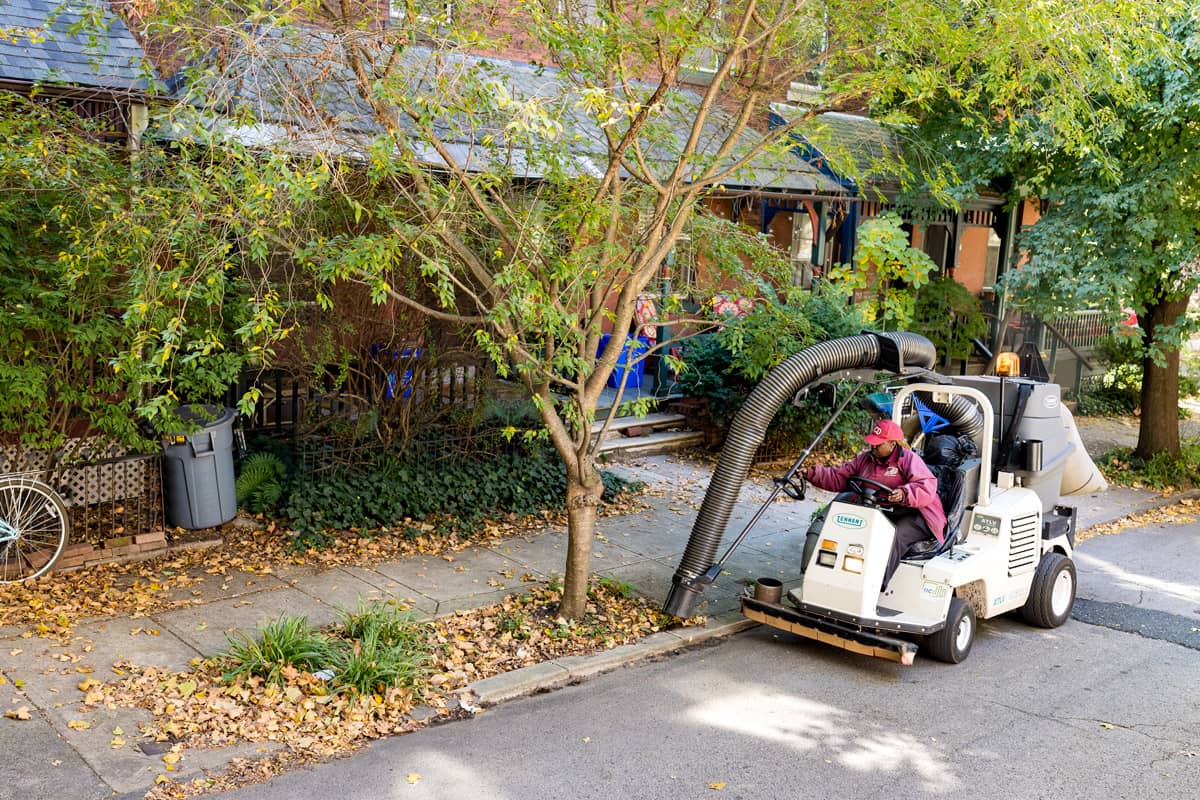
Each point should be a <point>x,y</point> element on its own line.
<point>884,431</point>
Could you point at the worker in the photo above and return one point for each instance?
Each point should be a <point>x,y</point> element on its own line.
<point>912,505</point>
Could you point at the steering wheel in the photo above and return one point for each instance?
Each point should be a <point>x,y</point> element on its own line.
<point>792,487</point>
<point>872,492</point>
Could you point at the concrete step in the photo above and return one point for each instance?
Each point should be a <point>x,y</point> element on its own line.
<point>650,444</point>
<point>655,420</point>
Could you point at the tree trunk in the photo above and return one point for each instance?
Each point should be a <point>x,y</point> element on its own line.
<point>1159,430</point>
<point>583,500</point>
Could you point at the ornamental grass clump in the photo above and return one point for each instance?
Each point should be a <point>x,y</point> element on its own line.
<point>375,648</point>
<point>287,641</point>
<point>382,648</point>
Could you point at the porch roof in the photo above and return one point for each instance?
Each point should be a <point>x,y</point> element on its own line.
<point>49,43</point>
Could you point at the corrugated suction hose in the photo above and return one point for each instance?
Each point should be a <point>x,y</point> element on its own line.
<point>746,433</point>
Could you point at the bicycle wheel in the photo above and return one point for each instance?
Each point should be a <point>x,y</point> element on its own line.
<point>33,528</point>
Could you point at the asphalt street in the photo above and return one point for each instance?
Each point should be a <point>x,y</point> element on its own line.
<point>1108,706</point>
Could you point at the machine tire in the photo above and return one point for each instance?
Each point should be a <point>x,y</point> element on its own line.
<point>1052,593</point>
<point>953,643</point>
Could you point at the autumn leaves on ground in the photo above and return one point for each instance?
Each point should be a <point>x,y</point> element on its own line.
<point>306,694</point>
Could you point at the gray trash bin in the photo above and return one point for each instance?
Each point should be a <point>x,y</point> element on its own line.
<point>198,477</point>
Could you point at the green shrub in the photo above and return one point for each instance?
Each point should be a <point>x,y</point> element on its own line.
<point>1119,391</point>
<point>259,485</point>
<point>287,641</point>
<point>376,648</point>
<point>949,316</point>
<point>723,368</point>
<point>524,479</point>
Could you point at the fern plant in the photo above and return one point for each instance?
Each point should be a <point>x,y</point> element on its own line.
<point>260,485</point>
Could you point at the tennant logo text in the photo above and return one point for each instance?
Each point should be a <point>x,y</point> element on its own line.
<point>849,521</point>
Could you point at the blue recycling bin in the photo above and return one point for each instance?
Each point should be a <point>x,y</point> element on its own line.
<point>633,351</point>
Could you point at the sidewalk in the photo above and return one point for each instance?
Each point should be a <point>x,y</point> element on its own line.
<point>45,757</point>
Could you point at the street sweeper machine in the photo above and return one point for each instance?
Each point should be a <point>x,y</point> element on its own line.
<point>1004,450</point>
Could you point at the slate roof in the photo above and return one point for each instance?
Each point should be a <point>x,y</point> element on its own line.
<point>853,147</point>
<point>266,76</point>
<point>38,47</point>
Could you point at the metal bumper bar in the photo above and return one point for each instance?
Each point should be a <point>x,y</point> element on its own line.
<point>856,640</point>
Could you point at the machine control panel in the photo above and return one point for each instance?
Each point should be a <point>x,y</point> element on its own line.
<point>985,524</point>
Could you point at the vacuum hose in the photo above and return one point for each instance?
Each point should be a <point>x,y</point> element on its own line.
<point>749,426</point>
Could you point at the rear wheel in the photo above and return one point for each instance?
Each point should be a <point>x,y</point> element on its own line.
<point>953,643</point>
<point>1052,594</point>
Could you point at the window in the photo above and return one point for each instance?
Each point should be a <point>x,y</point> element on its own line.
<point>991,267</point>
<point>703,61</point>
<point>438,12</point>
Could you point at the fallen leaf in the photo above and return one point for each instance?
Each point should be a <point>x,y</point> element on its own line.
<point>21,713</point>
<point>79,725</point>
<point>717,785</point>
<point>413,777</point>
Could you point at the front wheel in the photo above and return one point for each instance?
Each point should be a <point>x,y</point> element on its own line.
<point>1052,594</point>
<point>33,528</point>
<point>953,643</point>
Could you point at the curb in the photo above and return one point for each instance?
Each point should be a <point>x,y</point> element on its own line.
<point>550,675</point>
<point>1150,504</point>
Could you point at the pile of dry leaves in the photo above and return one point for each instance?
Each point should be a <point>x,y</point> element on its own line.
<point>308,721</point>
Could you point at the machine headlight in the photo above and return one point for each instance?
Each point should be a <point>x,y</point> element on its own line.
<point>826,558</point>
<point>853,564</point>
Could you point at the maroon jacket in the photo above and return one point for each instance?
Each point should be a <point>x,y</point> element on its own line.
<point>903,470</point>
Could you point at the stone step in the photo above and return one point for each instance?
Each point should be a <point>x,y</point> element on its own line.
<point>655,420</point>
<point>651,444</point>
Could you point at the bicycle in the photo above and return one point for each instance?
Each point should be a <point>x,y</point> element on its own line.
<point>34,527</point>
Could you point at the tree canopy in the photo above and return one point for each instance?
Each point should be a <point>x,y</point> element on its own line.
<point>1119,227</point>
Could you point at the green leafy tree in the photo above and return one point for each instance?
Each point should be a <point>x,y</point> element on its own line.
<point>887,270</point>
<point>535,205</point>
<point>1120,223</point>
<point>1125,230</point>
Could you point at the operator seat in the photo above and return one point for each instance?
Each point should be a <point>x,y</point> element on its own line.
<point>952,460</point>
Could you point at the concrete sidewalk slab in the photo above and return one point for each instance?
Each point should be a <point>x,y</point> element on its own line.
<point>234,583</point>
<point>339,590</point>
<point>417,603</point>
<point>546,554</point>
<point>205,627</point>
<point>40,763</point>
<point>454,575</point>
